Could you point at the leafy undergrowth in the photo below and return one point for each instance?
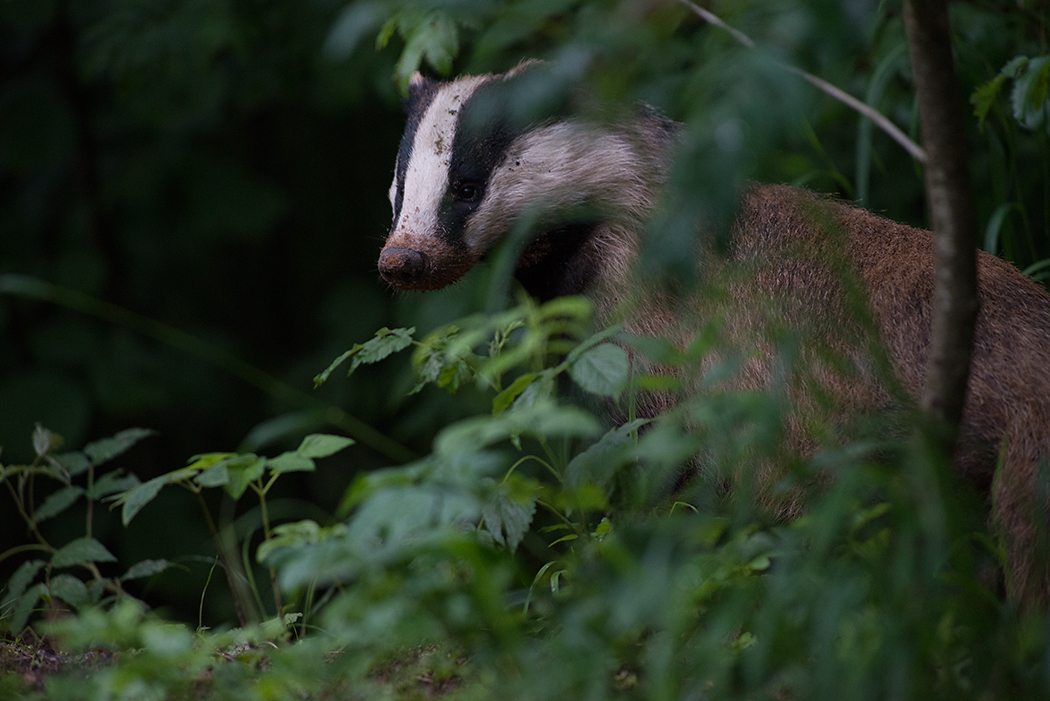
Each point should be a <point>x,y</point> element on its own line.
<point>538,553</point>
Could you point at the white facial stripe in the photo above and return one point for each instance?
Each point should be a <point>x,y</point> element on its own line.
<point>426,177</point>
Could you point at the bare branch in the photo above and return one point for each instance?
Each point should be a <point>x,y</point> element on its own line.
<point>883,122</point>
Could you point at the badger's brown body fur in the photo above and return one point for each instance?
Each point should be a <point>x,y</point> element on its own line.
<point>585,191</point>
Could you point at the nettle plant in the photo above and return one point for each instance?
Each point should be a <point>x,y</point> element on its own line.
<point>65,576</point>
<point>70,578</point>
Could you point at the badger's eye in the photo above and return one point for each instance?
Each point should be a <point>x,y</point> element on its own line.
<point>466,192</point>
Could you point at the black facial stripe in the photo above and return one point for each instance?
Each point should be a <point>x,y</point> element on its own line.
<point>479,145</point>
<point>419,98</point>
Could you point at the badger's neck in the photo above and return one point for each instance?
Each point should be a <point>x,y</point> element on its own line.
<point>560,262</point>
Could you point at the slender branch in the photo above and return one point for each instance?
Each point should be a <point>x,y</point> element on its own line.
<point>951,211</point>
<point>238,603</point>
<point>883,122</point>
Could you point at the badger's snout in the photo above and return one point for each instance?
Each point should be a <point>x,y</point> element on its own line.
<point>405,268</point>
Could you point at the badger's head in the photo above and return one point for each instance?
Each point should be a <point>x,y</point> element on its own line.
<point>481,157</point>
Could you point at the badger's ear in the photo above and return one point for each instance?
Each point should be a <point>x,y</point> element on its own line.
<point>524,65</point>
<point>418,87</point>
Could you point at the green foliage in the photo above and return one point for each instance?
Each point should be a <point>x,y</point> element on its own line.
<point>59,589</point>
<point>165,157</point>
<point>1028,98</point>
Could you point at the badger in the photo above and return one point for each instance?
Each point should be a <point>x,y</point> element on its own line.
<point>475,167</point>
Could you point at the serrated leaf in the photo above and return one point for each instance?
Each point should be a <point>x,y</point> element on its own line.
<point>386,342</point>
<point>598,463</point>
<point>106,449</point>
<point>288,534</point>
<point>79,551</point>
<point>20,580</point>
<point>242,470</point>
<point>602,370</point>
<point>321,445</point>
<point>290,462</point>
<point>69,589</point>
<point>146,568</point>
<point>136,498</point>
<point>24,608</point>
<point>44,441</point>
<point>504,399</point>
<point>206,460</point>
<point>509,512</point>
<point>215,476</point>
<point>1028,97</point>
<point>543,418</point>
<point>75,463</point>
<point>58,502</point>
<point>96,589</point>
<point>112,483</point>
<point>323,376</point>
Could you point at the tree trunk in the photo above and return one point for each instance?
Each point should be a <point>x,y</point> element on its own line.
<point>948,193</point>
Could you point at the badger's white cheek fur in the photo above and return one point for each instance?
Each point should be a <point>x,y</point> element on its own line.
<point>552,170</point>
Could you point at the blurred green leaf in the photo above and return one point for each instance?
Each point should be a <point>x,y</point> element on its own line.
<point>603,370</point>
<point>145,568</point>
<point>106,449</point>
<point>57,502</point>
<point>80,551</point>
<point>290,462</point>
<point>69,589</point>
<point>321,445</point>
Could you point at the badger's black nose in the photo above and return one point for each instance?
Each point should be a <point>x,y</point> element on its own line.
<point>403,267</point>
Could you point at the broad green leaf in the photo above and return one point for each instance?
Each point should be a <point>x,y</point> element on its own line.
<point>1028,98</point>
<point>79,551</point>
<point>109,448</point>
<point>287,534</point>
<point>320,378</point>
<point>134,499</point>
<point>24,609</point>
<point>146,568</point>
<point>290,462</point>
<point>75,462</point>
<point>573,307</point>
<point>206,460</point>
<point>509,512</point>
<point>985,95</point>
<point>242,469</point>
<point>599,462</point>
<point>58,502</point>
<point>69,589</point>
<point>19,581</point>
<point>215,476</point>
<point>44,441</point>
<point>386,342</point>
<point>602,370</point>
<point>543,418</point>
<point>321,445</point>
<point>112,483</point>
<point>435,39</point>
<point>504,399</point>
<point>166,641</point>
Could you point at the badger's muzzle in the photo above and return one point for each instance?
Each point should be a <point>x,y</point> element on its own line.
<point>405,268</point>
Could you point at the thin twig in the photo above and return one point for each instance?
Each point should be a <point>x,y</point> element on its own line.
<point>883,122</point>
